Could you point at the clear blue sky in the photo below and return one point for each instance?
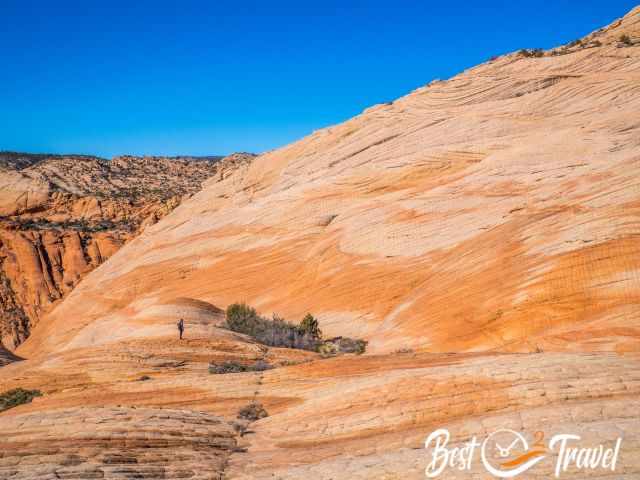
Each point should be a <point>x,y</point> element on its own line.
<point>183,77</point>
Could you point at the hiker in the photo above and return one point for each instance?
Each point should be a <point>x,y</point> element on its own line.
<point>181,327</point>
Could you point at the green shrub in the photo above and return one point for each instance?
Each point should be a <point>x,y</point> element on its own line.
<point>625,39</point>
<point>328,349</point>
<point>351,345</point>
<point>17,396</point>
<point>241,318</point>
<point>276,332</point>
<point>310,326</point>
<point>252,412</point>
<point>338,345</point>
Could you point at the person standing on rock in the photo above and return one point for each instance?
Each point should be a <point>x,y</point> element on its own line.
<point>181,327</point>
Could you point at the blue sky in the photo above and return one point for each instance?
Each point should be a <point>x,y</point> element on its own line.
<point>199,78</point>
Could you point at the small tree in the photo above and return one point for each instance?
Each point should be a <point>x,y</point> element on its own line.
<point>309,325</point>
<point>277,332</point>
<point>242,318</point>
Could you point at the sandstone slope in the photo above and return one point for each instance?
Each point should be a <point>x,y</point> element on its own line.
<point>127,408</point>
<point>495,210</point>
<point>493,215</point>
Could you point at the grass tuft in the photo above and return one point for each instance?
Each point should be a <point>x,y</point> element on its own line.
<point>17,396</point>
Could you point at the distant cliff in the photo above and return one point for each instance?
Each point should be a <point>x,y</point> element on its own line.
<point>63,215</point>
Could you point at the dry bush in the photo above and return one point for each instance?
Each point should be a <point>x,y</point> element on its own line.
<point>625,39</point>
<point>235,367</point>
<point>252,412</point>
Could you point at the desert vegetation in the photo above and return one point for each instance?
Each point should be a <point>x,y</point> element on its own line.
<point>277,332</point>
<point>575,46</point>
<point>80,225</point>
<point>17,396</point>
<point>337,345</point>
<point>231,366</point>
<point>533,52</point>
<point>252,412</point>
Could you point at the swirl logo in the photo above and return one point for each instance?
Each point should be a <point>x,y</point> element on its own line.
<point>506,453</point>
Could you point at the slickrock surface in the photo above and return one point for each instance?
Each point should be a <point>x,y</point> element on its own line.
<point>62,216</point>
<point>115,443</point>
<point>369,419</point>
<point>342,418</point>
<point>493,215</point>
